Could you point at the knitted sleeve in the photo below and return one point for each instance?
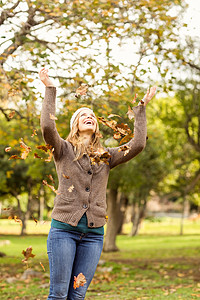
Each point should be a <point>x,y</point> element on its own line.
<point>48,126</point>
<point>136,144</point>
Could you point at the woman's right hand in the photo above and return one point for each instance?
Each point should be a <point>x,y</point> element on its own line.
<point>43,74</point>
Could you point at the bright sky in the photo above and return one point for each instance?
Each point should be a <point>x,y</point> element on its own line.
<point>192,18</point>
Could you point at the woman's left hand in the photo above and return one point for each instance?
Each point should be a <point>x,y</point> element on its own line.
<point>149,95</point>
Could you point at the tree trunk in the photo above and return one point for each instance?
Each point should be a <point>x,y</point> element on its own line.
<point>41,212</point>
<point>139,211</point>
<point>185,213</point>
<point>135,218</point>
<point>122,207</point>
<point>27,214</point>
<point>113,221</point>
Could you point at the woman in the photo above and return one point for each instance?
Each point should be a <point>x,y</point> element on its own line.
<point>75,239</point>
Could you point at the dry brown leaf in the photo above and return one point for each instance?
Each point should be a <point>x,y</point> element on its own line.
<point>51,187</point>
<point>70,189</point>
<point>42,266</point>
<point>81,90</point>
<point>26,149</point>
<point>65,176</point>
<point>117,136</point>
<point>11,114</point>
<point>80,280</point>
<point>14,157</point>
<point>7,208</point>
<point>7,149</point>
<point>113,115</point>
<point>44,148</point>
<point>37,156</point>
<point>27,254</point>
<point>15,218</point>
<point>18,220</point>
<point>99,157</point>
<point>51,178</point>
<point>34,133</point>
<point>124,148</point>
<point>50,155</point>
<point>24,154</point>
<point>36,221</point>
<point>126,139</point>
<point>120,130</point>
<point>52,117</point>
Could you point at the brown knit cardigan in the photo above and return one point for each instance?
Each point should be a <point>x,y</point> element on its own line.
<point>88,182</point>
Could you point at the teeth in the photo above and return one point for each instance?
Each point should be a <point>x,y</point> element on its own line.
<point>88,122</point>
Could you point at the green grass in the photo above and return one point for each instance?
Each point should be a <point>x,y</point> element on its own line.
<point>148,266</point>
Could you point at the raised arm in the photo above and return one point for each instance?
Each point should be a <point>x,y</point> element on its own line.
<point>136,144</point>
<point>48,126</point>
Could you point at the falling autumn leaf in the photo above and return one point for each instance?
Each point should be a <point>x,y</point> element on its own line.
<point>51,187</point>
<point>11,114</point>
<point>37,156</point>
<point>18,220</point>
<point>126,139</point>
<point>7,149</point>
<point>27,254</point>
<point>50,155</point>
<point>14,157</point>
<point>65,176</point>
<point>36,221</point>
<point>81,90</point>
<point>7,208</point>
<point>120,130</point>
<point>52,117</point>
<point>117,136</point>
<point>15,218</point>
<point>124,148</point>
<point>80,280</point>
<point>113,115</point>
<point>34,133</point>
<point>70,189</point>
<point>42,266</point>
<point>99,157</point>
<point>26,149</point>
<point>44,148</point>
<point>51,178</point>
<point>24,154</point>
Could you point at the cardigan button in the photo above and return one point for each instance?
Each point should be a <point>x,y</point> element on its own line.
<point>90,172</point>
<point>87,189</point>
<point>91,224</point>
<point>85,206</point>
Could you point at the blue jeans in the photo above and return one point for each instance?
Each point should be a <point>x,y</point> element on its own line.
<point>71,253</point>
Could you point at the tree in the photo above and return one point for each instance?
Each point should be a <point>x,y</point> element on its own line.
<point>181,116</point>
<point>76,38</point>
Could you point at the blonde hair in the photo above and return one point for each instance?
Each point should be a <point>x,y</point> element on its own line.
<point>79,147</point>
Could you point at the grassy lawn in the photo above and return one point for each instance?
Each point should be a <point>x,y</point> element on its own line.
<point>149,266</point>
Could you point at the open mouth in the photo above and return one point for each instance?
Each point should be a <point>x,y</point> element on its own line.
<point>89,122</point>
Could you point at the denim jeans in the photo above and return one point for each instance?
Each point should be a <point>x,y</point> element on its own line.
<point>71,253</point>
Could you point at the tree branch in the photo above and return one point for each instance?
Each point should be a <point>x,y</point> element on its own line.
<point>19,37</point>
<point>4,111</point>
<point>192,184</point>
<point>190,138</point>
<point>8,13</point>
<point>192,65</point>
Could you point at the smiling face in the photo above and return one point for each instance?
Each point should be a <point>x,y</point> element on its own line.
<point>87,121</point>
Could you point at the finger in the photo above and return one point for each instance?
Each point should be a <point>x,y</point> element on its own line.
<point>134,99</point>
